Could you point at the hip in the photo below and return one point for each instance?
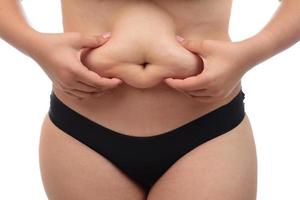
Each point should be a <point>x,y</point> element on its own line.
<point>142,112</point>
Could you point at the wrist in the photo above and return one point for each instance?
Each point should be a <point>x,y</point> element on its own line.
<point>256,49</point>
<point>23,38</point>
<point>30,42</point>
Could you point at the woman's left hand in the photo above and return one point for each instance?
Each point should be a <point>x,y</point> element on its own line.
<point>224,65</point>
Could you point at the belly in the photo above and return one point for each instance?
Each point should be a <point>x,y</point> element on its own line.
<point>143,49</point>
<point>142,52</point>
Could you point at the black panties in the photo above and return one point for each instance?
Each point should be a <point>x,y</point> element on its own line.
<point>146,159</point>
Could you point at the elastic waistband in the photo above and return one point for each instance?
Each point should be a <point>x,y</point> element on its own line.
<point>222,119</point>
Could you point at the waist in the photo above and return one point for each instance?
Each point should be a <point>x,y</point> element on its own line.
<point>143,104</point>
<point>143,49</point>
<point>142,112</point>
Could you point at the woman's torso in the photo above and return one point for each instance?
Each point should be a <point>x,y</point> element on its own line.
<point>142,52</point>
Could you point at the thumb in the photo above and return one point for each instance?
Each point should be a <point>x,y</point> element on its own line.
<point>95,41</point>
<point>195,46</point>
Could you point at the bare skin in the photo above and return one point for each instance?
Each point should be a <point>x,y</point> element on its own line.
<point>142,63</point>
<point>144,69</point>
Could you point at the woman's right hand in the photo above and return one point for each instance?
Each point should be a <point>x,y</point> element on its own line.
<point>59,55</point>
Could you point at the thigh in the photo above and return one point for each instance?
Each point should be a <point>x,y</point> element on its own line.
<point>72,171</point>
<point>224,168</point>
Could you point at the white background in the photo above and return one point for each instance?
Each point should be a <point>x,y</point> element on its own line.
<point>272,103</point>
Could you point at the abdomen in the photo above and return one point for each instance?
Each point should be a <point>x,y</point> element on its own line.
<point>143,49</point>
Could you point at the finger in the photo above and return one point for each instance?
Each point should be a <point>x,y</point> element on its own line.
<point>93,79</point>
<point>202,99</point>
<point>72,95</point>
<point>200,93</point>
<point>195,46</point>
<point>99,94</point>
<point>83,94</point>
<point>188,84</point>
<point>57,86</point>
<point>94,41</point>
<point>84,87</point>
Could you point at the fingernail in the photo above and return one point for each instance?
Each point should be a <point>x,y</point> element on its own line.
<point>106,35</point>
<point>179,38</point>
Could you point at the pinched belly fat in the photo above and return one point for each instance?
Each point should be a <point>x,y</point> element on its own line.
<point>143,49</point>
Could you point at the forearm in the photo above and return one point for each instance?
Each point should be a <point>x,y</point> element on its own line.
<point>281,32</point>
<point>14,28</point>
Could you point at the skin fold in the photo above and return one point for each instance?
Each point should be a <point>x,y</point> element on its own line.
<point>132,55</point>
